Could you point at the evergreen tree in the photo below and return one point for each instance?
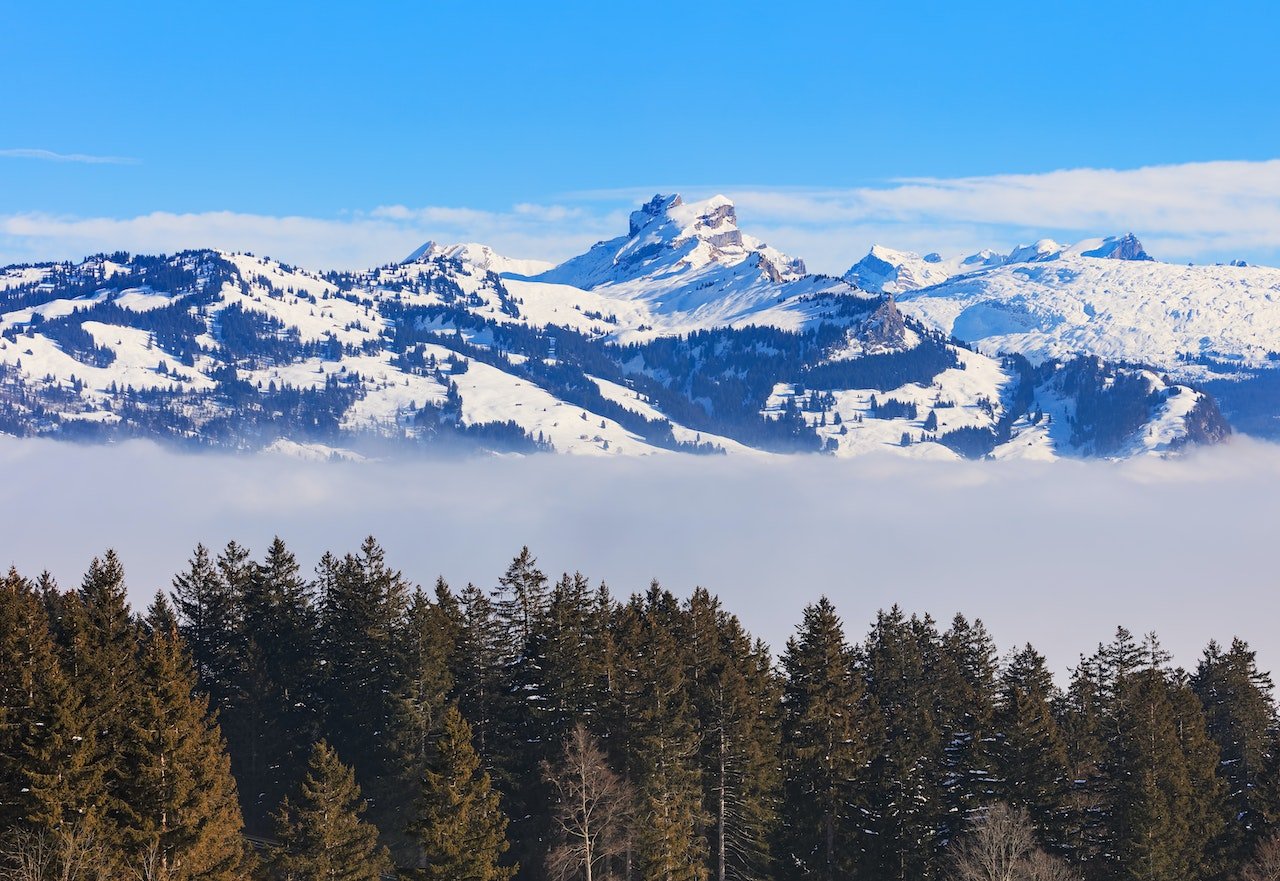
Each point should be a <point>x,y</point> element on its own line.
<point>321,832</point>
<point>477,669</point>
<point>907,801</point>
<point>49,775</point>
<point>829,735</point>
<point>735,696</point>
<point>459,823</point>
<point>428,647</point>
<point>520,601</point>
<point>1162,767</point>
<point>184,817</point>
<point>1241,719</point>
<point>209,615</point>
<point>103,665</point>
<point>276,695</point>
<point>662,751</point>
<point>1029,751</point>
<point>965,682</point>
<point>362,627</point>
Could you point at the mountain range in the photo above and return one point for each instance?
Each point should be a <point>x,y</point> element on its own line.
<point>684,334</point>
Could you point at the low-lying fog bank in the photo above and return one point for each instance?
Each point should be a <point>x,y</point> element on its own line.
<point>1056,554</point>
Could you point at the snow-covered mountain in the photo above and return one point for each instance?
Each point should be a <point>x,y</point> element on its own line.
<point>885,270</point>
<point>481,257</point>
<point>1107,297</point>
<point>683,335</point>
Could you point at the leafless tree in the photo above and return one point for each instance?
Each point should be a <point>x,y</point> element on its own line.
<point>71,853</point>
<point>1265,865</point>
<point>1001,846</point>
<point>151,864</point>
<point>592,810</point>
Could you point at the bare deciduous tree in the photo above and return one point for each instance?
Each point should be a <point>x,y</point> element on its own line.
<point>592,810</point>
<point>1265,865</point>
<point>71,853</point>
<point>1001,846</point>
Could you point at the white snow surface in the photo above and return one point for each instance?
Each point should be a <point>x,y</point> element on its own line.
<point>683,268</point>
<point>1138,311</point>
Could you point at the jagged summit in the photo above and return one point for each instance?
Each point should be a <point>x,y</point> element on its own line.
<point>1125,247</point>
<point>670,237</point>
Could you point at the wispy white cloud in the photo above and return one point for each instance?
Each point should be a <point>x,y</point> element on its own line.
<point>1196,211</point>
<point>353,241</point>
<point>51,156</point>
<point>1190,211</point>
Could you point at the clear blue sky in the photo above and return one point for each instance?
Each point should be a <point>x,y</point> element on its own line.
<point>321,109</point>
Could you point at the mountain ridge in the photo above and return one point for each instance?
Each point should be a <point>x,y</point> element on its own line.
<point>684,335</point>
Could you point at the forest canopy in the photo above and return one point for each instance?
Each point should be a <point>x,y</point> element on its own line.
<point>259,722</point>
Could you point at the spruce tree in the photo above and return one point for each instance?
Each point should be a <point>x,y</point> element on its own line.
<point>322,835</point>
<point>362,627</point>
<point>209,615</point>
<point>477,670</point>
<point>427,650</point>
<point>459,824</point>
<point>829,735</point>
<point>50,777</point>
<point>1029,751</point>
<point>1166,797</point>
<point>278,705</point>
<point>102,654</point>
<point>964,677</point>
<point>735,697</point>
<point>661,750</point>
<point>908,803</point>
<point>184,817</point>
<point>1241,719</point>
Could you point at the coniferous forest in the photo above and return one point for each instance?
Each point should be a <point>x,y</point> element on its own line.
<point>259,722</point>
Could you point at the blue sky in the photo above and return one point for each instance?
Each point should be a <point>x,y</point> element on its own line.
<point>323,131</point>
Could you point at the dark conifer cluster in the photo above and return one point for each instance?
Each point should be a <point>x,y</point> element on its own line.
<point>349,725</point>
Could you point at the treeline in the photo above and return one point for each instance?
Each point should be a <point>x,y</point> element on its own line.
<point>353,725</point>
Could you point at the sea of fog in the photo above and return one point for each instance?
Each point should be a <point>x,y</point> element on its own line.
<point>1055,554</point>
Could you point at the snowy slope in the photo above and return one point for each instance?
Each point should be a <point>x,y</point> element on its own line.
<point>885,270</point>
<point>684,335</point>
<point>480,256</point>
<point>683,266</point>
<point>1141,311</point>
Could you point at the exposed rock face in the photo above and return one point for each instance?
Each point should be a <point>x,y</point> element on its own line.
<point>654,208</point>
<point>1126,247</point>
<point>886,327</point>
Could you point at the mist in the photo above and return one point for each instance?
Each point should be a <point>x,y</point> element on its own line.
<point>1055,554</point>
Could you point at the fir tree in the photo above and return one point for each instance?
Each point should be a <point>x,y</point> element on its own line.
<point>209,621</point>
<point>477,669</point>
<point>735,696</point>
<point>50,778</point>
<point>828,739</point>
<point>184,816</point>
<point>362,625</point>
<point>103,665</point>
<point>1029,751</point>
<point>429,643</point>
<point>1241,719</point>
<point>459,824</point>
<point>662,759</point>
<point>965,682</point>
<point>277,702</point>
<point>321,832</point>
<point>907,801</point>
